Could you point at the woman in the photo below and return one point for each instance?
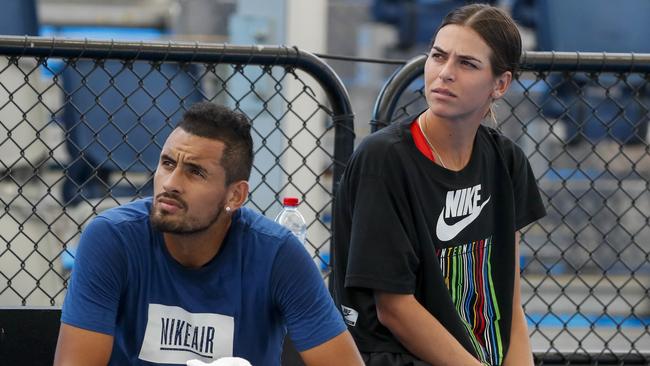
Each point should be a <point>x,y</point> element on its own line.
<point>429,209</point>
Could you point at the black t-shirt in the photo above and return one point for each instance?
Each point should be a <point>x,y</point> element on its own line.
<point>406,225</point>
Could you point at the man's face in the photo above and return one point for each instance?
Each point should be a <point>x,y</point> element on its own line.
<point>189,185</point>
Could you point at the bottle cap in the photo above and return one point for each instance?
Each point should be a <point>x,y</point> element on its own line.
<point>290,201</point>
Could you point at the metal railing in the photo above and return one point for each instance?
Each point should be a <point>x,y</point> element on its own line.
<point>581,118</point>
<point>82,123</point>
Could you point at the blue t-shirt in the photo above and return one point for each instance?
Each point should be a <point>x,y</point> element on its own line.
<point>260,285</point>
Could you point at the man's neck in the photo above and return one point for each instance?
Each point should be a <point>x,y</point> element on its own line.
<point>196,250</point>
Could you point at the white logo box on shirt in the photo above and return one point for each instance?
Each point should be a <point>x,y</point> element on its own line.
<point>174,335</point>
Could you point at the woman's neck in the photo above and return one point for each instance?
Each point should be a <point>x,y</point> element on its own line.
<point>453,140</point>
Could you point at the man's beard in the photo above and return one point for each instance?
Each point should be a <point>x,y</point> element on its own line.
<point>164,223</point>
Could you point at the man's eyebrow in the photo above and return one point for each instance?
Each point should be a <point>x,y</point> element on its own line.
<point>191,165</point>
<point>464,57</point>
<point>164,156</point>
<point>196,166</point>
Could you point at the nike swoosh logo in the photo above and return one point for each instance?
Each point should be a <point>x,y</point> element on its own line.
<point>447,232</point>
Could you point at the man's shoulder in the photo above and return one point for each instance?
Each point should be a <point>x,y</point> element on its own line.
<point>261,237</point>
<point>253,223</point>
<point>134,212</point>
<point>120,226</point>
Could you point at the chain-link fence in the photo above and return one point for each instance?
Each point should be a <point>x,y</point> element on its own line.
<point>82,124</point>
<point>582,121</point>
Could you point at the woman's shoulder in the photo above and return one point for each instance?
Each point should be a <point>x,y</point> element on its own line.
<point>382,141</point>
<point>510,152</point>
<point>377,150</point>
<point>497,138</point>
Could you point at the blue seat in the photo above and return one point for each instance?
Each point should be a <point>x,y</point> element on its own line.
<point>117,117</point>
<point>596,26</point>
<point>19,18</point>
<point>593,25</point>
<point>416,20</point>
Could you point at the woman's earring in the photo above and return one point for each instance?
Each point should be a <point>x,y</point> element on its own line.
<point>493,115</point>
<point>228,209</point>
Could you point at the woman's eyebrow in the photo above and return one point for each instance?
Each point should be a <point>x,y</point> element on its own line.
<point>464,57</point>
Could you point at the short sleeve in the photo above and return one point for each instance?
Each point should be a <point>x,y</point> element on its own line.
<point>98,276</point>
<point>381,253</point>
<point>528,201</point>
<point>300,293</point>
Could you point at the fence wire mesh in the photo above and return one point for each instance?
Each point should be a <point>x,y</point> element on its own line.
<point>81,125</point>
<point>586,265</point>
<point>80,134</point>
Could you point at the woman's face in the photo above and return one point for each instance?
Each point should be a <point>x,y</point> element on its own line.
<point>459,84</point>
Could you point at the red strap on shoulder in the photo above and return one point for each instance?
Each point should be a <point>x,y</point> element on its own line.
<point>419,140</point>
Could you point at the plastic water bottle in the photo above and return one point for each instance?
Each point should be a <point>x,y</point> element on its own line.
<point>292,219</point>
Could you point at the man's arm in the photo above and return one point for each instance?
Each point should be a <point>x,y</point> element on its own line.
<point>519,352</point>
<point>339,350</point>
<point>82,347</point>
<point>314,323</point>
<point>420,332</point>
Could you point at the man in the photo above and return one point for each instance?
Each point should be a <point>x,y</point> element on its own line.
<point>191,274</point>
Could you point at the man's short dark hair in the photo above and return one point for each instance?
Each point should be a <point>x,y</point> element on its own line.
<point>205,119</point>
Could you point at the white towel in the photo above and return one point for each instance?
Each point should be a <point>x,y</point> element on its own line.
<point>224,361</point>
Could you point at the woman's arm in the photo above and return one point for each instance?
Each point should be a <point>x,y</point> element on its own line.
<point>519,352</point>
<point>420,332</point>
